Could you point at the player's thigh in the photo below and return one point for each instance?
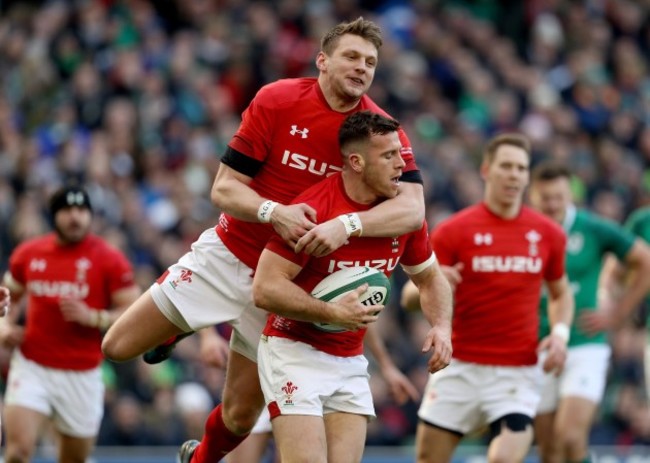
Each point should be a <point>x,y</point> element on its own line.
<point>300,438</point>
<point>75,449</point>
<point>242,395</point>
<point>585,372</point>
<point>346,437</point>
<point>550,389</point>
<point>434,444</point>
<point>451,400</point>
<point>574,417</point>
<point>22,427</point>
<point>510,446</point>
<point>206,287</point>
<point>126,339</point>
<point>511,391</point>
<point>27,403</point>
<point>298,379</point>
<point>544,430</point>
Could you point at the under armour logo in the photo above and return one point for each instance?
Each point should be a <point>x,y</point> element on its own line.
<point>75,198</point>
<point>483,238</point>
<point>303,133</point>
<point>38,265</point>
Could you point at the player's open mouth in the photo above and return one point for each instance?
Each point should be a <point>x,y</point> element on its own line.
<point>395,180</point>
<point>357,80</point>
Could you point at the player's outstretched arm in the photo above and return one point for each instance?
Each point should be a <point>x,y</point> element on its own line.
<point>401,388</point>
<point>274,290</point>
<point>633,281</point>
<point>231,192</point>
<point>11,334</point>
<point>436,303</point>
<point>410,296</point>
<point>214,349</point>
<point>5,301</point>
<point>394,217</point>
<point>561,307</point>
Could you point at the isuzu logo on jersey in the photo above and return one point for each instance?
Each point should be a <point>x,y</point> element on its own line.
<point>302,162</point>
<point>380,264</point>
<point>58,289</point>
<point>506,264</point>
<point>483,238</point>
<point>295,130</point>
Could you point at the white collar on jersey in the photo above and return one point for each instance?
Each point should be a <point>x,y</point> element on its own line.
<point>569,217</point>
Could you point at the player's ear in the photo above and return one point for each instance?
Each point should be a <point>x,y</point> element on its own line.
<point>485,165</point>
<point>357,162</point>
<point>320,61</point>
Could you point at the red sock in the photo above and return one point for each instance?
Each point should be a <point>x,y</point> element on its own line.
<point>170,341</point>
<point>217,441</point>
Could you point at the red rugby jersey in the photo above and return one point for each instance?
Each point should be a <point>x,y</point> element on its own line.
<point>496,314</point>
<point>330,200</point>
<point>291,128</point>
<point>90,270</point>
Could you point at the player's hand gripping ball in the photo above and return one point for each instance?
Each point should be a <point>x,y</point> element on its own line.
<point>338,284</point>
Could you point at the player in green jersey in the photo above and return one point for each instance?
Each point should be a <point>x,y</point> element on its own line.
<point>570,400</point>
<point>616,278</point>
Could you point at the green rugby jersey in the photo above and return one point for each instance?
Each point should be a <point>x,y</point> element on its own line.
<point>639,224</point>
<point>590,237</point>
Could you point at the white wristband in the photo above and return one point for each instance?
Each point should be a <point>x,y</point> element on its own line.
<point>352,223</point>
<point>265,210</point>
<point>562,331</point>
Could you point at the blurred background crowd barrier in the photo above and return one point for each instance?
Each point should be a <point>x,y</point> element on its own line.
<point>137,100</point>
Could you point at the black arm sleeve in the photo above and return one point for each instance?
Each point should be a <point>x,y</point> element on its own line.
<point>412,176</point>
<point>250,167</point>
<point>241,163</point>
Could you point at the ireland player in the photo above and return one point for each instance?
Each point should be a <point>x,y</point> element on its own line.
<point>570,400</point>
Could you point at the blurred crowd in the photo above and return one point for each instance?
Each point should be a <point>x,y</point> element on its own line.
<point>136,100</point>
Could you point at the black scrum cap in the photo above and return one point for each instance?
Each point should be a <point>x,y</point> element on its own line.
<point>68,197</point>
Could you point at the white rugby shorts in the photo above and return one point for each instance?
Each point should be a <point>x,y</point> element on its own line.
<point>74,400</point>
<point>209,286</point>
<point>303,380</point>
<point>584,375</point>
<point>466,396</point>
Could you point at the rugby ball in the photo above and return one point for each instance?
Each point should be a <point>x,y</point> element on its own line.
<point>333,287</point>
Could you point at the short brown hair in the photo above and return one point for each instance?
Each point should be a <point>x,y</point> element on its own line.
<point>361,27</point>
<point>513,139</point>
<point>360,126</point>
<point>550,170</point>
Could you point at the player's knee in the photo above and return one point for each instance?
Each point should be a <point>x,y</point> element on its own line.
<point>573,441</point>
<point>16,455</point>
<point>113,349</point>
<point>240,418</point>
